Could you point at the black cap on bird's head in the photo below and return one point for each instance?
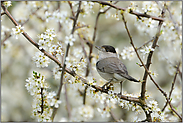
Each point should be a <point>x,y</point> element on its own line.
<point>109,48</point>
<point>106,48</point>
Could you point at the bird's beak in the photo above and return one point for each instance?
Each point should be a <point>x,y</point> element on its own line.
<point>99,48</point>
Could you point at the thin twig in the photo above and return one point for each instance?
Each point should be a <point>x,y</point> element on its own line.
<point>3,13</point>
<point>67,103</point>
<point>113,116</point>
<point>180,73</point>
<point>70,4</point>
<point>82,45</point>
<point>145,43</point>
<point>5,39</point>
<point>131,11</point>
<point>84,95</point>
<point>172,87</point>
<point>175,66</point>
<point>78,27</point>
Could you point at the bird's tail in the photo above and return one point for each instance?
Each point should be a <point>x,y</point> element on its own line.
<point>132,79</point>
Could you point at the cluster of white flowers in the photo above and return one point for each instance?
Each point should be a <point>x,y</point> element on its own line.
<point>46,42</point>
<point>146,25</point>
<point>16,31</point>
<point>77,66</point>
<point>104,112</point>
<point>128,53</point>
<point>82,113</point>
<point>60,16</point>
<point>111,14</point>
<point>157,115</point>
<point>56,50</point>
<point>41,60</point>
<point>43,101</point>
<point>109,101</point>
<point>87,7</point>
<point>46,39</point>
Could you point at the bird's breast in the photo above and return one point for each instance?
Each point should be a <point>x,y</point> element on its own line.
<point>106,76</point>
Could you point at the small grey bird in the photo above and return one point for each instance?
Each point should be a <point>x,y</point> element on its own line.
<point>110,67</point>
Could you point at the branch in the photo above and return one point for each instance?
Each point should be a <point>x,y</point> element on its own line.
<point>148,116</point>
<point>150,56</point>
<point>131,11</point>
<point>64,66</point>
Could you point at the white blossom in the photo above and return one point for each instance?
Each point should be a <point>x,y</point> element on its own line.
<point>7,3</point>
<point>16,31</point>
<point>70,39</point>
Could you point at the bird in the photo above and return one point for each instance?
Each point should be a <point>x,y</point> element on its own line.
<point>110,67</point>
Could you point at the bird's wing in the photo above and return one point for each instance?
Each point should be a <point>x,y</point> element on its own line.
<point>113,65</point>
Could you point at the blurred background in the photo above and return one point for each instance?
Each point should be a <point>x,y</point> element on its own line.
<point>17,64</point>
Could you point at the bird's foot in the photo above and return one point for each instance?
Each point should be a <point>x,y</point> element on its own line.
<point>104,88</point>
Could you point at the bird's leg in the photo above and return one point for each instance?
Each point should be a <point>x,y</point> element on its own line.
<point>121,87</point>
<point>103,87</point>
